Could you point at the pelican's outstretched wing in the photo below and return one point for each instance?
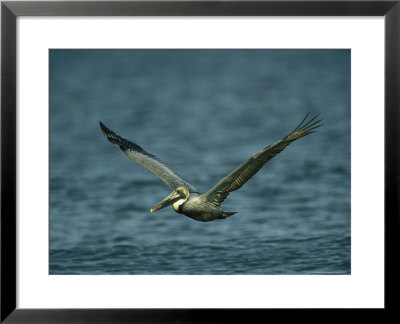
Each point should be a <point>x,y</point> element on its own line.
<point>246,170</point>
<point>149,161</point>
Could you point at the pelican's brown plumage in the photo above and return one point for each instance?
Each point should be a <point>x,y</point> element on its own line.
<point>185,198</point>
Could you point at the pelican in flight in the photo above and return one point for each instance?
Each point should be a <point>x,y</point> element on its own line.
<point>185,198</point>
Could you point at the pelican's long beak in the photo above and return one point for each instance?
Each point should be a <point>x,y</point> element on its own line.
<point>167,201</point>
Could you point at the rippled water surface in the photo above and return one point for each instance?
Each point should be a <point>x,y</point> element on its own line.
<point>203,112</point>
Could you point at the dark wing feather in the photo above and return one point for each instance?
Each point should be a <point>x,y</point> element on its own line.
<point>149,161</point>
<point>246,170</point>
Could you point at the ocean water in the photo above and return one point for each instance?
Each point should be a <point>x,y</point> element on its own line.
<point>203,112</point>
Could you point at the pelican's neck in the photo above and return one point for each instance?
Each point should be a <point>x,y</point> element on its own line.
<point>178,204</point>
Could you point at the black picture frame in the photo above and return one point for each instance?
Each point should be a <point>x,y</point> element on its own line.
<point>10,10</point>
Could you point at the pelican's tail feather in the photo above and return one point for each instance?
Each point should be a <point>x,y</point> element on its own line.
<point>227,214</point>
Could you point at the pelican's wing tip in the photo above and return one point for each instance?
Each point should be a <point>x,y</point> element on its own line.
<point>102,126</point>
<point>308,124</point>
<point>106,131</point>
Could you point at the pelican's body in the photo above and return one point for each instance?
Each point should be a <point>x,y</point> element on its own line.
<point>185,198</point>
<point>199,208</point>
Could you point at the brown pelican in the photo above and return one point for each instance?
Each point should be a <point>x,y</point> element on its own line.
<point>185,198</point>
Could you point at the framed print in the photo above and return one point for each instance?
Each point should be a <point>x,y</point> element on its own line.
<point>202,94</point>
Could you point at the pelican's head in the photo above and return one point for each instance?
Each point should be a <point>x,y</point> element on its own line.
<point>177,197</point>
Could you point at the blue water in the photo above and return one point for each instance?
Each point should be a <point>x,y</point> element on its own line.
<point>204,112</point>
